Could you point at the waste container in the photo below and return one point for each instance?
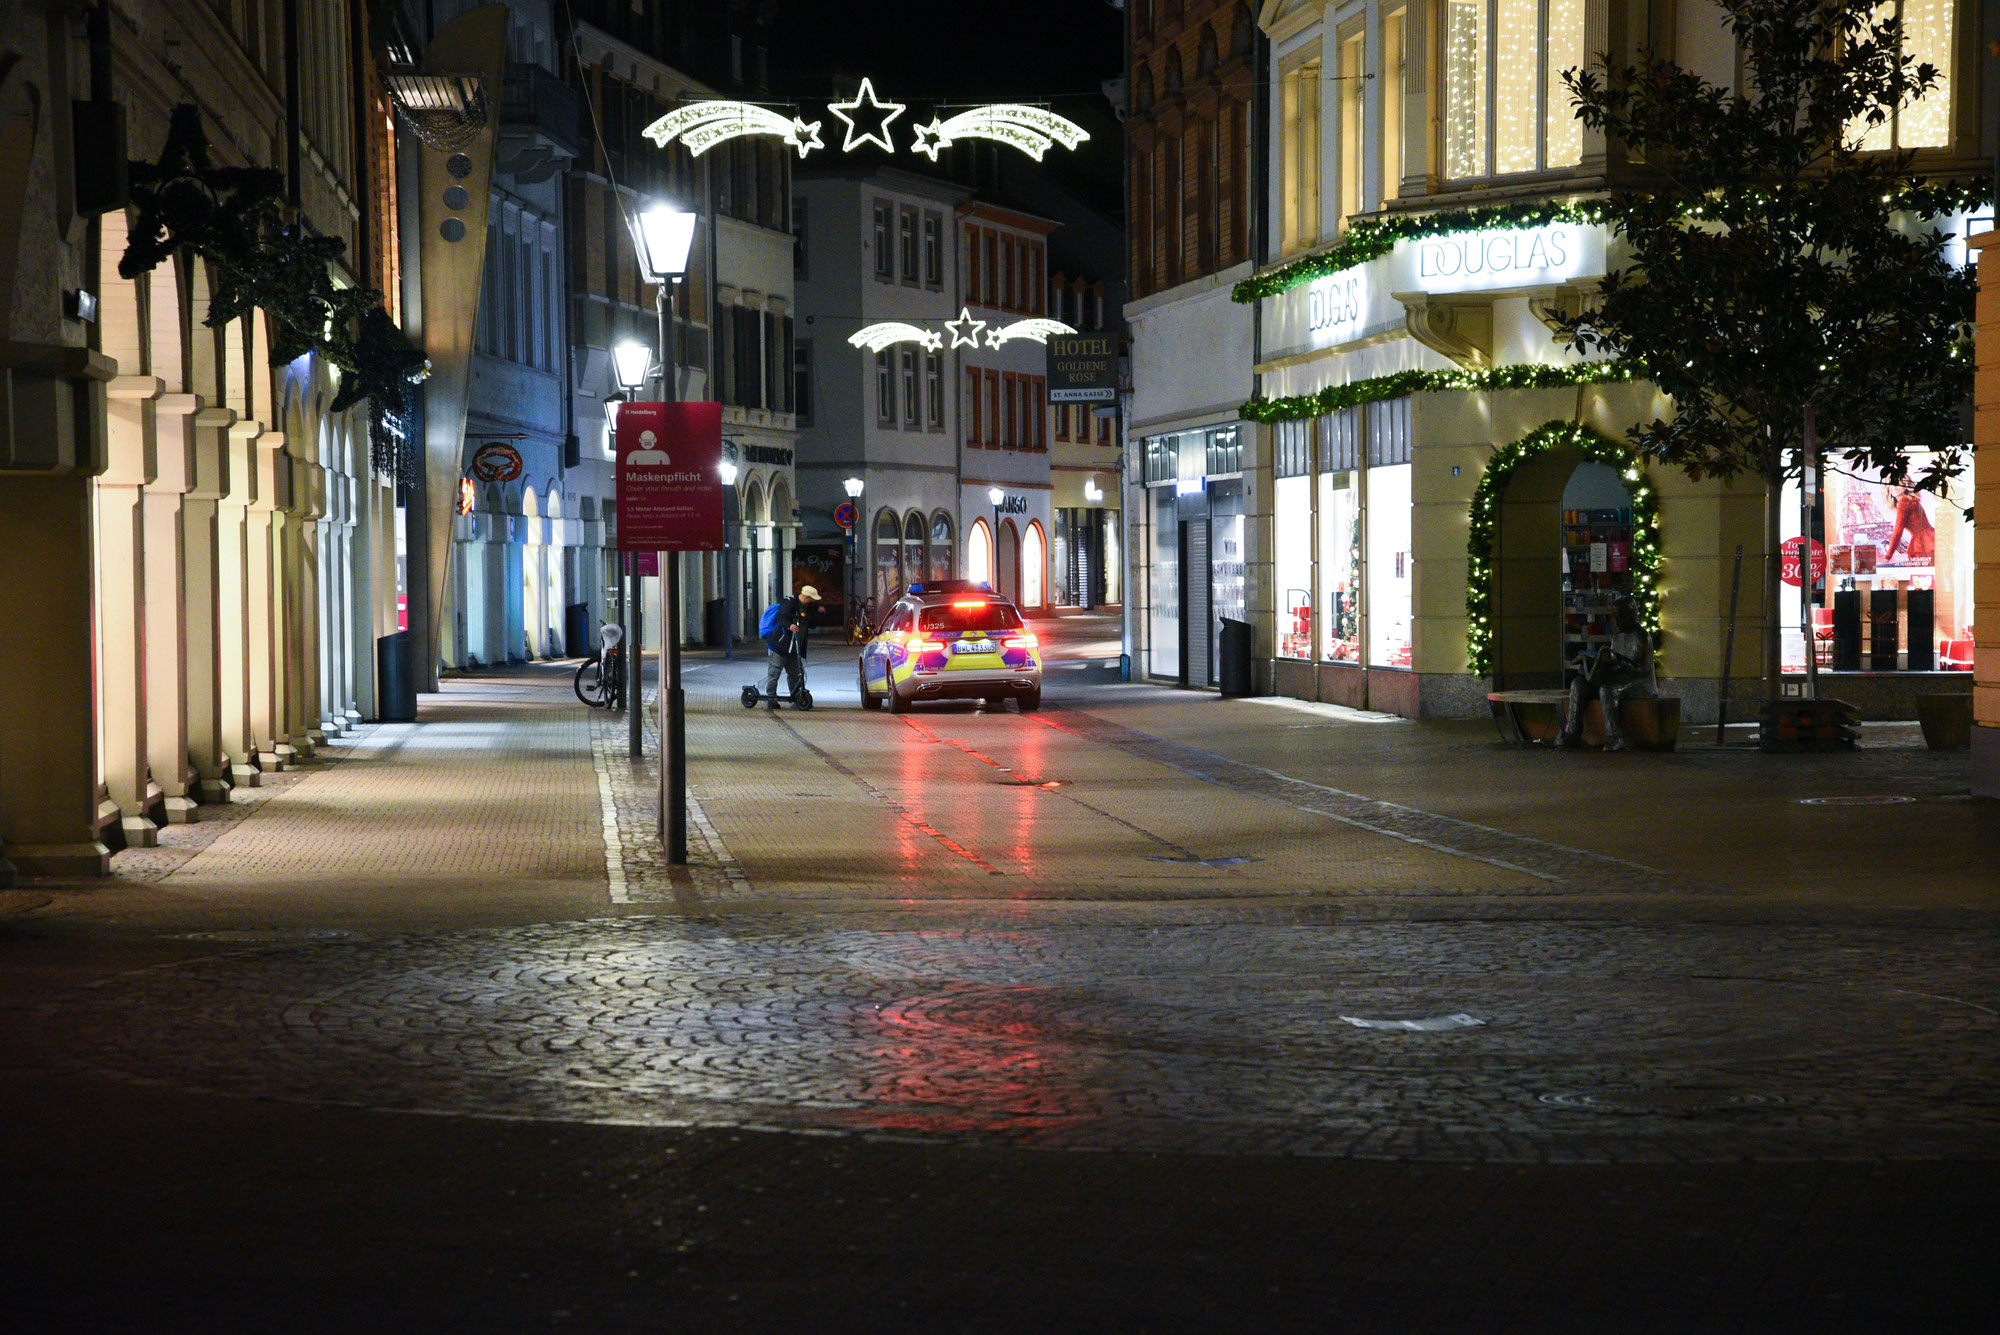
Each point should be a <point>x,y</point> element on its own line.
<point>714,620</point>
<point>578,642</point>
<point>1235,653</point>
<point>395,679</point>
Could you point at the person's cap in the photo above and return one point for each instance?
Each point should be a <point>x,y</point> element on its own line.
<point>808,594</point>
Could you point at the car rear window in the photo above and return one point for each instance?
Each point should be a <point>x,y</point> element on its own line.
<point>973,615</point>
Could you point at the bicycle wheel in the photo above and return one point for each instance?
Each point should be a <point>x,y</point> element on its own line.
<point>591,687</point>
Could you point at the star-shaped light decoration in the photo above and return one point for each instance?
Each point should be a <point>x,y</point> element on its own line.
<point>930,140</point>
<point>965,329</point>
<point>805,134</point>
<point>880,115</point>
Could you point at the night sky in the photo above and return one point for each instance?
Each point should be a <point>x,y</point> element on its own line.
<point>1046,51</point>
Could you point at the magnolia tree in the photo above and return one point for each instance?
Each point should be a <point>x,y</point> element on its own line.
<point>1775,266</point>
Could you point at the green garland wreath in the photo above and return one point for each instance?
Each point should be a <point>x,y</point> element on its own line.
<point>234,218</point>
<point>1395,386</point>
<point>1645,560</point>
<point>1369,238</point>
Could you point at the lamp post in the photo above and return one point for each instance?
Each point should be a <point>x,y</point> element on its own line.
<point>663,237</point>
<point>853,487</point>
<point>995,495</point>
<point>728,576</point>
<point>631,362</point>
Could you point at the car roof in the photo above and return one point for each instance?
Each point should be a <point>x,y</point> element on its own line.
<point>930,598</point>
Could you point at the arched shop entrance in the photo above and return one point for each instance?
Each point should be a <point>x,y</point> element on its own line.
<point>979,552</point>
<point>1563,525</point>
<point>1008,563</point>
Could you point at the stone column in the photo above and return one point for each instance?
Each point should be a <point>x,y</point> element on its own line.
<point>265,606</point>
<point>234,610</point>
<point>121,616</point>
<point>202,529</point>
<point>167,606</point>
<point>302,607</point>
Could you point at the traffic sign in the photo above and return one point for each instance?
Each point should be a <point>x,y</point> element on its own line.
<point>843,514</point>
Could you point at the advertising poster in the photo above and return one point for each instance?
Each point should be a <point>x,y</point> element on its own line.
<point>670,477</point>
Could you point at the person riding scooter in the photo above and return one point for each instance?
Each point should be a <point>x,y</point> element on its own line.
<point>786,641</point>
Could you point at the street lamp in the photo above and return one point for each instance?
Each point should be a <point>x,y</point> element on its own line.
<point>853,487</point>
<point>663,237</point>
<point>995,495</point>
<point>631,364</point>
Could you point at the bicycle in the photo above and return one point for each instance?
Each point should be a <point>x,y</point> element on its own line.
<point>600,680</point>
<point>861,622</point>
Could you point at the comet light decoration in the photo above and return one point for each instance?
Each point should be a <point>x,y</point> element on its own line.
<point>876,337</point>
<point>700,126</point>
<point>1037,329</point>
<point>1030,129</point>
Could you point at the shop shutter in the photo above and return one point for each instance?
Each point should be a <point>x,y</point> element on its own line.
<point>1196,581</point>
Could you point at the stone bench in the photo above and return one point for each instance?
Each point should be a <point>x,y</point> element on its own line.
<point>1535,718</point>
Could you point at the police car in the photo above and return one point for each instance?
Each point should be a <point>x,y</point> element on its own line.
<point>951,640</point>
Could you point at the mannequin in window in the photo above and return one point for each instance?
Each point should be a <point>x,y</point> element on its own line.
<point>1621,670</point>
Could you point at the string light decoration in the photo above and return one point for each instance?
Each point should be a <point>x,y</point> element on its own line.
<point>1371,238</point>
<point>879,115</point>
<point>876,337</point>
<point>1036,329</point>
<point>700,126</point>
<point>1401,383</point>
<point>1031,129</point>
<point>1465,88</point>
<point>1645,558</point>
<point>965,329</point>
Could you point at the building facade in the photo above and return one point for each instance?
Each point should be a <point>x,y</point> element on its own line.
<point>1434,501</point>
<point>1192,132</point>
<point>878,246</point>
<point>189,526</point>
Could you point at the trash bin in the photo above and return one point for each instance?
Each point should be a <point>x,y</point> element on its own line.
<point>395,679</point>
<point>714,620</point>
<point>1235,647</point>
<point>576,631</point>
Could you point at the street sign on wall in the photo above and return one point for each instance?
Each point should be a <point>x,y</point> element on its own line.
<point>1083,368</point>
<point>670,477</point>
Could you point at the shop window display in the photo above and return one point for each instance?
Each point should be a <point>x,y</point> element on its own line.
<point>1391,570</point>
<point>1898,561</point>
<point>1292,565</point>
<point>1339,568</point>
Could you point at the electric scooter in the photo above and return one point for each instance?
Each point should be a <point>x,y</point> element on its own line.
<point>752,697</point>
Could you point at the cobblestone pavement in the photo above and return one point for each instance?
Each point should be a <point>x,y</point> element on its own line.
<point>1204,1034</point>
<point>1064,930</point>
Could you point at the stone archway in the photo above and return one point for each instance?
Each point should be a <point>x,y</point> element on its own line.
<point>1515,552</point>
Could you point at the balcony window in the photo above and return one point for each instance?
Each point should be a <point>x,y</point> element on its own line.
<point>1925,122</point>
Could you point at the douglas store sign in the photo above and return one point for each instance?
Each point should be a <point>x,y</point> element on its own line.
<point>1360,302</point>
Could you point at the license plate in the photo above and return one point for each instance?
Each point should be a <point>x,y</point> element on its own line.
<point>975,647</point>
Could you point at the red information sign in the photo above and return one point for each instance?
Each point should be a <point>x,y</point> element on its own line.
<point>670,477</point>
<point>1788,567</point>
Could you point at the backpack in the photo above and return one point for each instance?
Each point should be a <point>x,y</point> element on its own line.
<point>772,631</point>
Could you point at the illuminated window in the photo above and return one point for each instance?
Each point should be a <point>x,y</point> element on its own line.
<point>1391,128</point>
<point>1926,121</point>
<point>1300,165</point>
<point>1351,86</point>
<point>1506,109</point>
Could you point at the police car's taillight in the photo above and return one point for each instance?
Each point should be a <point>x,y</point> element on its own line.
<point>1025,640</point>
<point>924,647</point>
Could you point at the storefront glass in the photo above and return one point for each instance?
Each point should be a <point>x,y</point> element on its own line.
<point>1339,567</point>
<point>888,558</point>
<point>1226,561</point>
<point>1899,566</point>
<point>941,546</point>
<point>1166,590</point>
<point>1291,524</point>
<point>1389,566</point>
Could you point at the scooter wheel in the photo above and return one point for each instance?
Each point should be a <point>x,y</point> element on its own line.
<point>749,697</point>
<point>804,699</point>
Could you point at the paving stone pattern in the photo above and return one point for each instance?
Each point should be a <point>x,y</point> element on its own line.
<point>1594,1042</point>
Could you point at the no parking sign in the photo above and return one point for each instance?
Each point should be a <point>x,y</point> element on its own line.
<point>843,514</point>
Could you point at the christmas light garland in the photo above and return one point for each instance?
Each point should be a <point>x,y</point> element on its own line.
<point>1371,238</point>
<point>1523,376</point>
<point>1485,520</point>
